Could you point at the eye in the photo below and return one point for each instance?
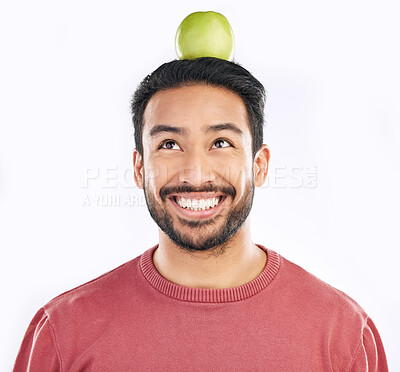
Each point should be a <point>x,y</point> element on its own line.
<point>169,145</point>
<point>221,143</point>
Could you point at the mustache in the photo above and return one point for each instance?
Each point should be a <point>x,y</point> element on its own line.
<point>177,189</point>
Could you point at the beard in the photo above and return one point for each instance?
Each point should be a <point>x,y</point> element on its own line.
<point>204,235</point>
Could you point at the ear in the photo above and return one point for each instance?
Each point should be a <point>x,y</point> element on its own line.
<point>261,162</point>
<point>138,169</point>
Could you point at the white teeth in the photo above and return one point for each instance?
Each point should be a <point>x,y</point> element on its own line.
<point>183,202</point>
<point>198,204</point>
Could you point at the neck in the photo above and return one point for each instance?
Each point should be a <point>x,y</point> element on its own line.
<point>235,263</point>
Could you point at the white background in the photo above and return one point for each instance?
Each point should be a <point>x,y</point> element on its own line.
<point>68,70</point>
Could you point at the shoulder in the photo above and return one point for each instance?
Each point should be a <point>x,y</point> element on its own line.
<point>95,294</point>
<point>310,289</point>
<point>74,320</point>
<point>322,310</point>
<point>337,323</point>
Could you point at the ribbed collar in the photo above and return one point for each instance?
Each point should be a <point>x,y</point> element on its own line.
<point>183,293</point>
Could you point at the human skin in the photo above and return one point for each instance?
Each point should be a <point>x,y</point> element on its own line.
<point>195,158</point>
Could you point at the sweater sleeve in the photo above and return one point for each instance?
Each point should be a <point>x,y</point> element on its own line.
<point>371,354</point>
<point>38,351</point>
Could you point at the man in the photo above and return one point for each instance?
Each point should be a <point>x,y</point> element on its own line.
<point>205,297</point>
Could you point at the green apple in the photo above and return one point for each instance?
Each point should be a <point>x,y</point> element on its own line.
<point>204,34</point>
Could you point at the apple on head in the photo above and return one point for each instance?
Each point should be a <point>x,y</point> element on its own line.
<point>204,34</point>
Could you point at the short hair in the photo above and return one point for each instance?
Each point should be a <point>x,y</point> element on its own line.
<point>208,71</point>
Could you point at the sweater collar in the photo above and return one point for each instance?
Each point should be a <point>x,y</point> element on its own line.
<point>208,295</point>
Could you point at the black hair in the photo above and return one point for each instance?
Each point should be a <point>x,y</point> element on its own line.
<point>209,71</point>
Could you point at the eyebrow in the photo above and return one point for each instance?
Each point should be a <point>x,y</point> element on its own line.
<point>160,128</point>
<point>224,126</point>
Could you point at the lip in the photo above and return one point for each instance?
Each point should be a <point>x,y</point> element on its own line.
<point>199,214</point>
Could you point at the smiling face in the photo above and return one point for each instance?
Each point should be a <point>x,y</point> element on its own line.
<point>197,169</point>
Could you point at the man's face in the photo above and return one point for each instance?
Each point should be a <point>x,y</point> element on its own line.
<point>197,166</point>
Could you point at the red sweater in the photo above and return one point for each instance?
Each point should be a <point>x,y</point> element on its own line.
<point>133,319</point>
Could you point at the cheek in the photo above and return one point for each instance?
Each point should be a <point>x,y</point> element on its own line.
<point>244,178</point>
<point>156,175</point>
<point>236,172</point>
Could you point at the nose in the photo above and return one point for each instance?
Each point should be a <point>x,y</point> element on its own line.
<point>197,169</point>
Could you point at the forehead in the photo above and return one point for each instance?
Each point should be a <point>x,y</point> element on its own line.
<point>194,107</point>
